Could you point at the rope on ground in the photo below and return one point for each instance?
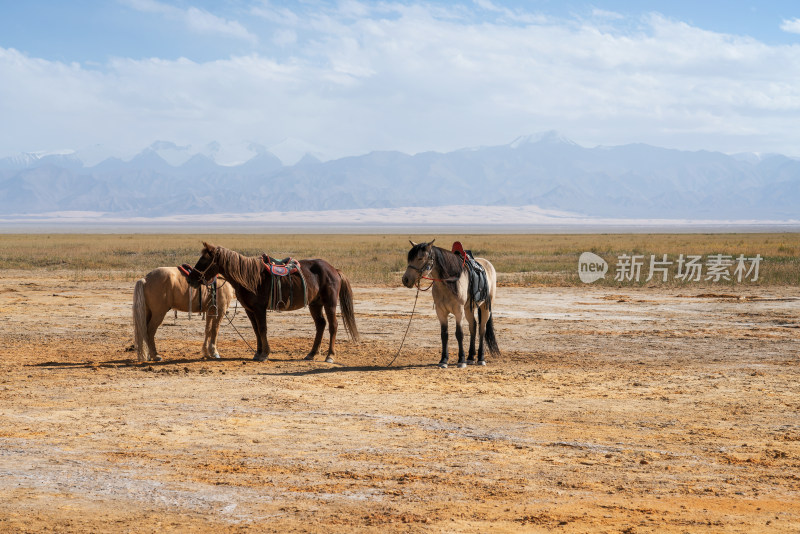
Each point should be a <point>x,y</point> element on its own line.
<point>230,322</point>
<point>407,328</point>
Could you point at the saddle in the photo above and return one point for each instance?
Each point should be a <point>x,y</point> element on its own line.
<point>186,270</point>
<point>283,267</point>
<point>281,271</point>
<point>478,281</point>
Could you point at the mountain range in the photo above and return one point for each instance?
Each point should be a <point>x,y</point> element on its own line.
<point>545,170</point>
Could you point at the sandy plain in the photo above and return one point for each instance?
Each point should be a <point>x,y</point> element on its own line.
<point>609,410</point>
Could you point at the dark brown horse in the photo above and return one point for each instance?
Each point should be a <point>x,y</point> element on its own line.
<point>324,286</point>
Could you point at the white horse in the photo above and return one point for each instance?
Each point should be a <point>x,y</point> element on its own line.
<point>450,282</point>
<point>164,289</point>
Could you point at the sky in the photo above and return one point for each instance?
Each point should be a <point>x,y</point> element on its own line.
<point>350,77</point>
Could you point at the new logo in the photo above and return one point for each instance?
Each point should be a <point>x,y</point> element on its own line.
<point>591,267</point>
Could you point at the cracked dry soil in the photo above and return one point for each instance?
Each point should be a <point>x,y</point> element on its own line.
<point>625,410</point>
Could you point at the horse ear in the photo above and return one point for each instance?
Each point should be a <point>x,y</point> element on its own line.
<point>208,247</point>
<point>412,243</point>
<point>431,243</point>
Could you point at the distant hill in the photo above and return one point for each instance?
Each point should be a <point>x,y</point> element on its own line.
<point>546,170</point>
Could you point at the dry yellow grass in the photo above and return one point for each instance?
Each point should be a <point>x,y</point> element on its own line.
<point>520,259</point>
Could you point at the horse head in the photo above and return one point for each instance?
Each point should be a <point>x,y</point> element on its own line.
<point>206,267</point>
<point>420,263</point>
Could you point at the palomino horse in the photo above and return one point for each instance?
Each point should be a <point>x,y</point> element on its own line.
<point>318,284</point>
<point>164,289</point>
<point>450,282</point>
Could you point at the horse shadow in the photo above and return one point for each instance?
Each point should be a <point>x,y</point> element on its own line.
<point>114,364</point>
<point>168,363</point>
<point>341,368</point>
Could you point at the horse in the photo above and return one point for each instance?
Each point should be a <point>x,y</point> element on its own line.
<point>164,289</point>
<point>316,284</point>
<point>449,274</point>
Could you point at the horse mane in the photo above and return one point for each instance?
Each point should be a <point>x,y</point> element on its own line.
<point>451,265</point>
<point>244,270</point>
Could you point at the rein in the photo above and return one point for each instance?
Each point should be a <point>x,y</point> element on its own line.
<point>428,267</point>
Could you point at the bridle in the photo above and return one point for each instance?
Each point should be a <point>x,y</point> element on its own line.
<point>202,274</point>
<point>427,268</point>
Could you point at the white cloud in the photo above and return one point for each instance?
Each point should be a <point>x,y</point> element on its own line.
<point>203,21</point>
<point>413,77</point>
<point>791,26</point>
<point>196,19</point>
<point>605,14</point>
<point>284,37</point>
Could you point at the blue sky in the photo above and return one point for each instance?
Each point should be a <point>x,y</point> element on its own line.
<point>345,78</point>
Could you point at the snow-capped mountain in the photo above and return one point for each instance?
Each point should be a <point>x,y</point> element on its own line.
<point>545,170</point>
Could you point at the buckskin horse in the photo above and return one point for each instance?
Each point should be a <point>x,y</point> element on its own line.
<point>449,273</point>
<point>167,288</point>
<point>315,283</point>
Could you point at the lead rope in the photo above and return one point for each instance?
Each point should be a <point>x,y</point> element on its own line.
<point>407,328</point>
<point>230,322</point>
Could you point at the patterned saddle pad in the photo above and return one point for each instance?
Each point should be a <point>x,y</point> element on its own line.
<point>283,267</point>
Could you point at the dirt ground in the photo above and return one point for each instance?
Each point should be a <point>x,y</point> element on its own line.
<point>624,410</point>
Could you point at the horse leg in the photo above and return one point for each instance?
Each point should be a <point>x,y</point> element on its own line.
<point>261,315</point>
<point>443,324</point>
<point>445,358</point>
<point>483,318</point>
<point>319,322</point>
<point>153,322</point>
<point>333,325</point>
<point>259,325</point>
<point>462,362</point>
<point>210,342</point>
<point>254,325</point>
<point>472,330</point>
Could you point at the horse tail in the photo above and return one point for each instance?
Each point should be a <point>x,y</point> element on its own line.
<point>491,340</point>
<point>139,320</point>
<point>346,302</point>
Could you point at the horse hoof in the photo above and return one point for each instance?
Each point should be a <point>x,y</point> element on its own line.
<point>329,359</point>
<point>462,365</point>
<point>260,357</point>
<point>442,366</point>
<point>309,357</point>
<point>481,362</point>
<point>157,358</point>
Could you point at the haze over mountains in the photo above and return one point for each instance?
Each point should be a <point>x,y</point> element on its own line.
<point>546,170</point>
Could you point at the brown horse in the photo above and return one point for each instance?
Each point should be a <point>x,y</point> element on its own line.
<point>164,289</point>
<point>324,286</point>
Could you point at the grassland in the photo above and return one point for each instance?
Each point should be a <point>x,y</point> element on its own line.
<point>524,260</point>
